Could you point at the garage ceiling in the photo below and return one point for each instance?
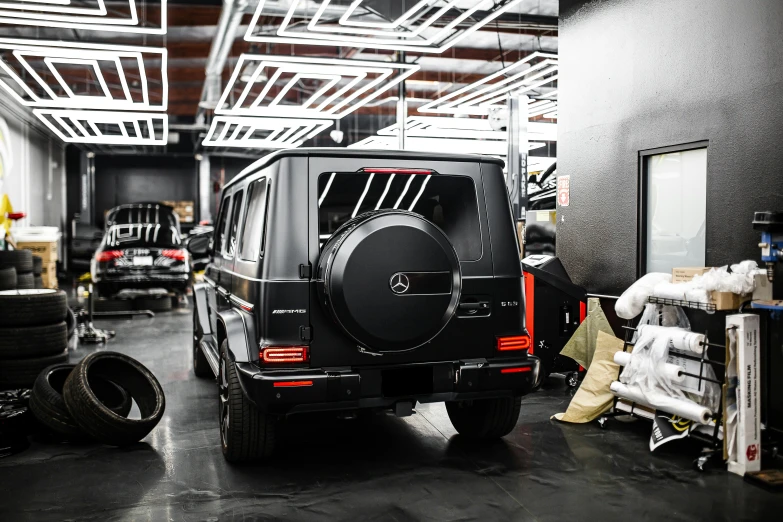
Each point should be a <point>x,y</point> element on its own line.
<point>526,27</point>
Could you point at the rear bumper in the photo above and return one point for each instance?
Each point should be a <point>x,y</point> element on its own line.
<point>285,392</point>
<point>145,280</point>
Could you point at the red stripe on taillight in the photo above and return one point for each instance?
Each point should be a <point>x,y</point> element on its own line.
<point>108,255</point>
<point>516,370</point>
<point>517,342</point>
<point>292,384</point>
<point>177,255</point>
<point>287,354</point>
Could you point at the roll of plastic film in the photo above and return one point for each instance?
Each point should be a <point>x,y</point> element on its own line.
<point>681,407</point>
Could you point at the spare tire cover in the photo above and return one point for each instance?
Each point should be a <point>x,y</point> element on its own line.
<point>391,279</point>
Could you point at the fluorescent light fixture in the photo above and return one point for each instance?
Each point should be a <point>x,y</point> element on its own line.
<point>262,133</point>
<point>28,60</point>
<point>106,127</point>
<point>425,27</point>
<point>465,128</point>
<point>339,87</point>
<point>535,71</point>
<point>88,15</point>
<point>445,145</point>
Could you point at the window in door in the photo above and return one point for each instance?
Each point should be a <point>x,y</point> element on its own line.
<point>232,241</point>
<point>674,208</point>
<point>222,225</point>
<point>251,245</point>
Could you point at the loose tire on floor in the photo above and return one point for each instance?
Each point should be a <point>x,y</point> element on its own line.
<point>21,373</point>
<point>22,260</point>
<point>37,265</point>
<point>49,407</point>
<point>31,307</point>
<point>484,419</point>
<point>246,434</point>
<point>161,304</point>
<point>98,421</point>
<point>33,341</point>
<point>8,278</point>
<point>25,281</point>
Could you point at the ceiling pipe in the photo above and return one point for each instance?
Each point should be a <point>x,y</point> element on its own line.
<point>230,20</point>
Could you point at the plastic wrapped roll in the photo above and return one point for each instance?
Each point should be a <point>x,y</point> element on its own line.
<point>681,407</point>
<point>668,370</point>
<point>680,338</point>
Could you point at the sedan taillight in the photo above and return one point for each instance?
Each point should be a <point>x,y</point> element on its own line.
<point>108,255</point>
<point>177,255</point>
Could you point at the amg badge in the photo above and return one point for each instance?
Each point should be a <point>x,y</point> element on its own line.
<point>296,311</point>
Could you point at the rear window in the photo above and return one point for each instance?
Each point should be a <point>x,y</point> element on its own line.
<point>142,214</point>
<point>448,201</point>
<point>142,235</point>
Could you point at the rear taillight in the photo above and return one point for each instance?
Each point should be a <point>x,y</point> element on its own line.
<point>516,342</point>
<point>292,384</point>
<point>284,354</point>
<point>177,255</point>
<point>517,370</point>
<point>108,255</point>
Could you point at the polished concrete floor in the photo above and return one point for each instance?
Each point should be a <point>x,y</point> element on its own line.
<point>379,468</point>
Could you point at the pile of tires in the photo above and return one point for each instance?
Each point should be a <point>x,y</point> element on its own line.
<point>33,334</point>
<point>37,271</point>
<point>17,270</point>
<point>91,400</point>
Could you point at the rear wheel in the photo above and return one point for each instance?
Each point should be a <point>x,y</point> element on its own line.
<point>486,418</point>
<point>246,434</point>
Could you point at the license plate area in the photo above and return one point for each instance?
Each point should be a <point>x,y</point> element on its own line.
<point>142,261</point>
<point>401,382</point>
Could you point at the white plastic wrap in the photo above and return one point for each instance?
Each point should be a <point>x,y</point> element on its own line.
<point>667,290</point>
<point>684,408</point>
<point>632,302</point>
<point>679,338</point>
<point>670,371</point>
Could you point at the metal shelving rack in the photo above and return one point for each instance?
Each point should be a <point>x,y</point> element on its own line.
<point>713,441</point>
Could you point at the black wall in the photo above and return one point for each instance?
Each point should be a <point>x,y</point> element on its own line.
<point>222,170</point>
<point>636,75</point>
<point>121,179</point>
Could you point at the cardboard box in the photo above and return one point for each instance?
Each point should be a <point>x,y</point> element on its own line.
<point>685,274</point>
<point>47,250</point>
<point>742,373</point>
<point>49,275</point>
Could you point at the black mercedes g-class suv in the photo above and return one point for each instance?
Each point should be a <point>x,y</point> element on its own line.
<point>345,280</point>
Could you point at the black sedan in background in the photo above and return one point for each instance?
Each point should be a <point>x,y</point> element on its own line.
<point>142,248</point>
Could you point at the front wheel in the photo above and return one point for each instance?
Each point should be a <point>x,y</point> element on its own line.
<point>246,434</point>
<point>486,418</point>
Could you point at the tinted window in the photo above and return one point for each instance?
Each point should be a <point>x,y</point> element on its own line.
<point>142,214</point>
<point>232,242</point>
<point>142,235</point>
<point>222,225</point>
<point>252,235</point>
<point>448,201</point>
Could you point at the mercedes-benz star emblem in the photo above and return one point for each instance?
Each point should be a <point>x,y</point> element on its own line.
<point>399,283</point>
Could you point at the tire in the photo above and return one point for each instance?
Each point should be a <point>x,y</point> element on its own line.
<point>112,305</point>
<point>21,373</point>
<point>8,278</point>
<point>25,281</point>
<point>70,321</point>
<point>38,282</point>
<point>22,260</point>
<point>37,265</point>
<point>484,419</point>
<point>49,407</point>
<point>98,421</point>
<point>201,367</point>
<point>246,434</point>
<point>161,304</point>
<point>31,307</point>
<point>33,341</point>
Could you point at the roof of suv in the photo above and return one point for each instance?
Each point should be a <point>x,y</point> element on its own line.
<point>359,153</point>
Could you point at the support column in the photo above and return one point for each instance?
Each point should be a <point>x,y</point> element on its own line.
<point>204,189</point>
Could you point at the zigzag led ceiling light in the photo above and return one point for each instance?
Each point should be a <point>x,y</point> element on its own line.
<point>80,14</point>
<point>535,72</point>
<point>466,129</point>
<point>262,133</point>
<point>445,145</point>
<point>299,87</point>
<point>428,26</point>
<point>106,127</point>
<point>45,74</point>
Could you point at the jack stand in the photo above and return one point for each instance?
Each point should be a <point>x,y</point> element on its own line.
<point>86,330</point>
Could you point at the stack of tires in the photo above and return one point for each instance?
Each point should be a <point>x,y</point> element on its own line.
<point>37,270</point>
<point>33,333</point>
<point>16,270</point>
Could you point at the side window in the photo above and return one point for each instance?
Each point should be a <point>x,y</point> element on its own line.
<point>232,242</point>
<point>220,229</point>
<point>250,248</point>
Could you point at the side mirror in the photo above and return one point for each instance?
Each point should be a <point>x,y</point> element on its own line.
<point>199,245</point>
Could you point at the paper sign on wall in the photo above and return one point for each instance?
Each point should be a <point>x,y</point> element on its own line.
<point>563,190</point>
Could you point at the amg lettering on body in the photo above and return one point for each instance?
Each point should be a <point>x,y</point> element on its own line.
<point>294,311</point>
